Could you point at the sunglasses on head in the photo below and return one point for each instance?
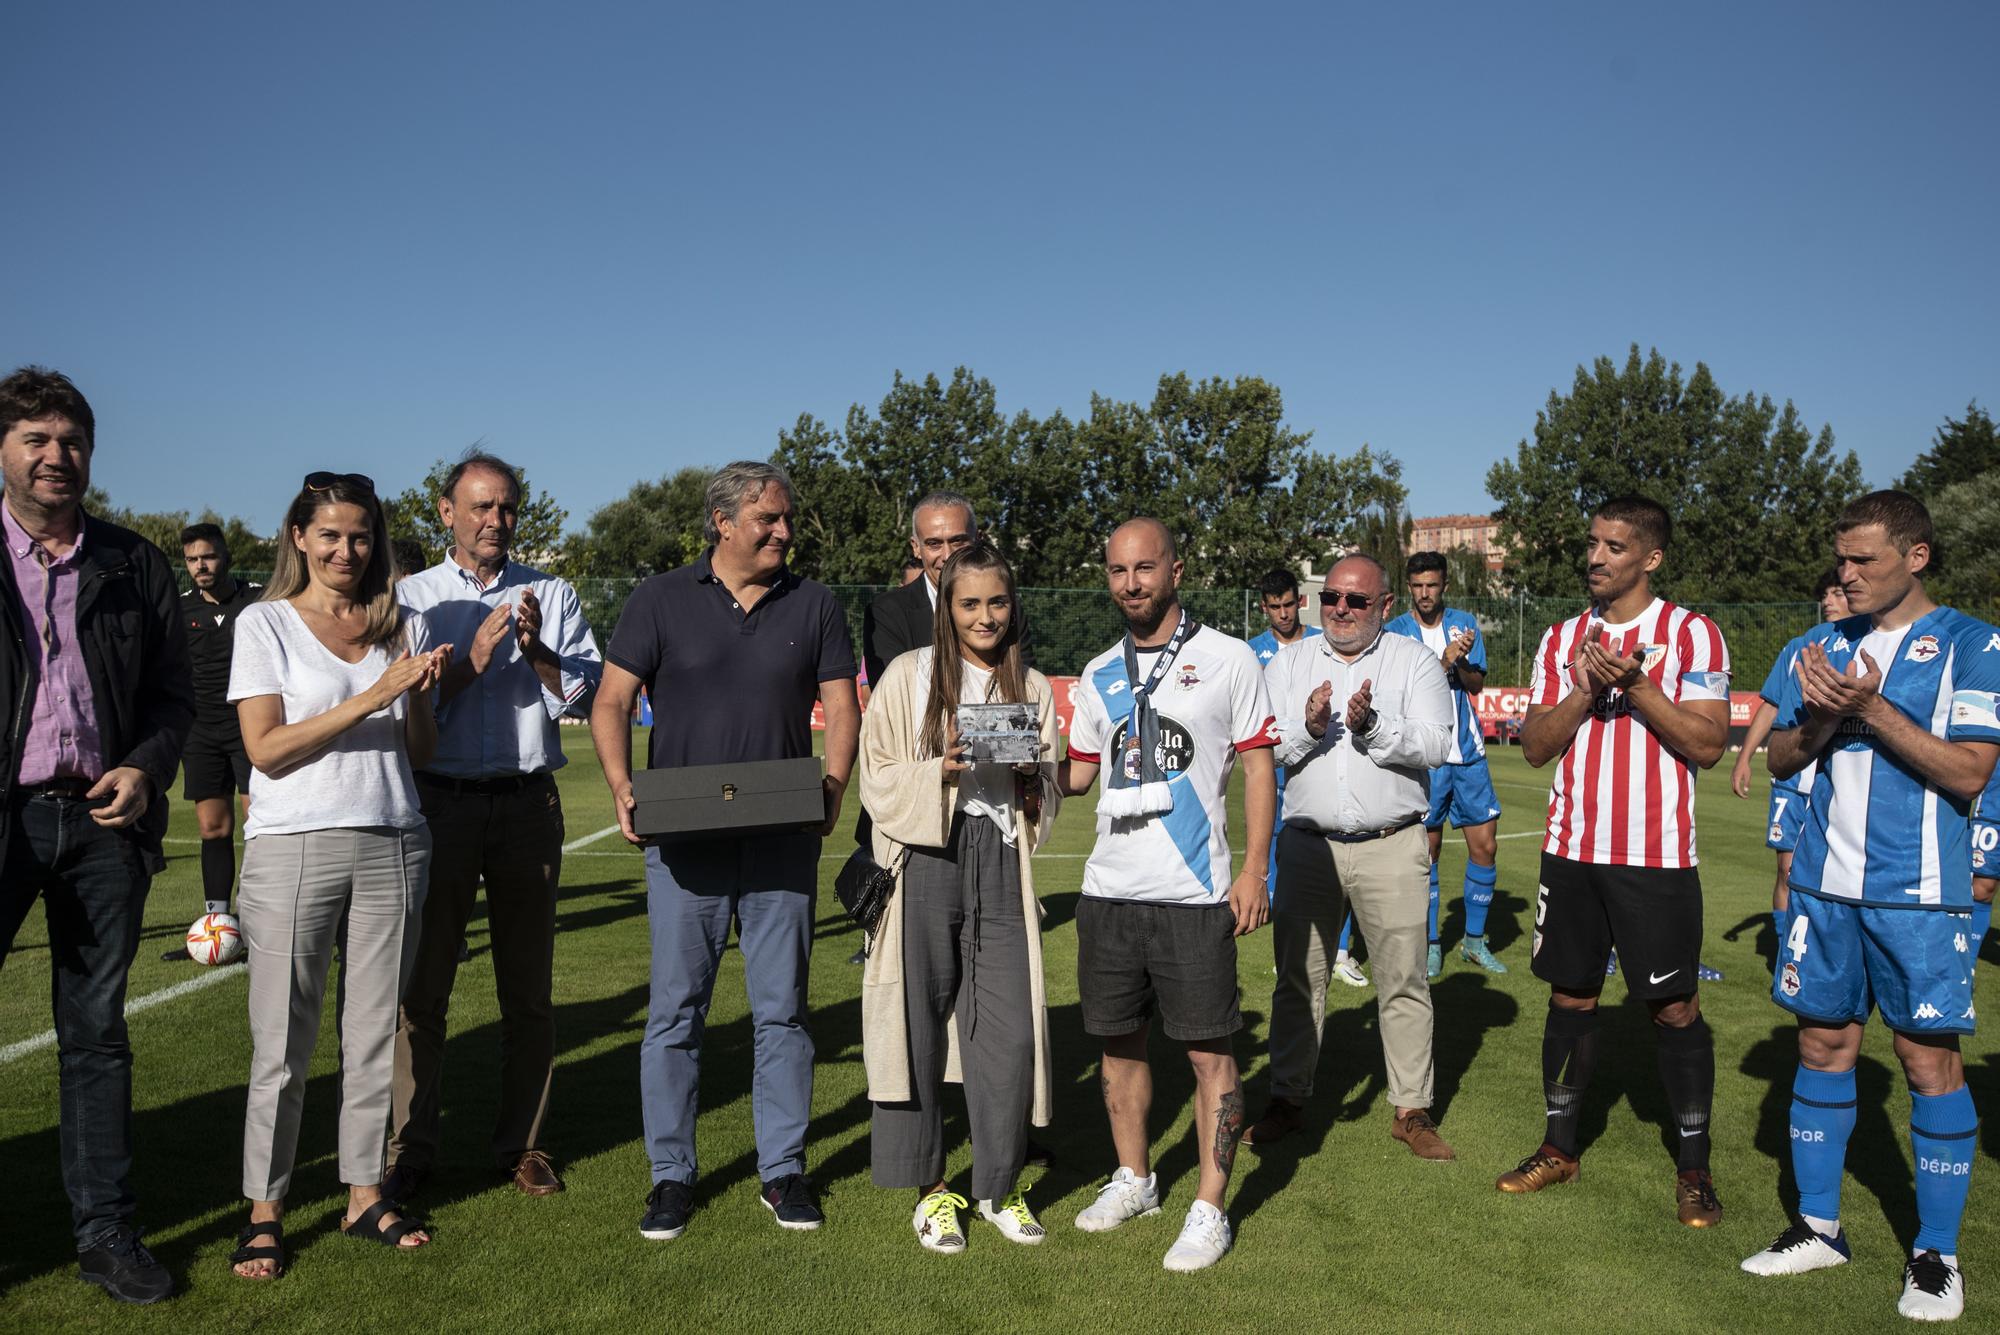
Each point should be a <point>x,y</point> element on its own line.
<point>1359,602</point>
<point>328,481</point>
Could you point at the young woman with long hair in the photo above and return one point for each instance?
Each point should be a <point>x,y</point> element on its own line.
<point>953,982</point>
<point>331,681</point>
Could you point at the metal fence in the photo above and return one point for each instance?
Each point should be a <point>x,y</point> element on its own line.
<point>1071,626</point>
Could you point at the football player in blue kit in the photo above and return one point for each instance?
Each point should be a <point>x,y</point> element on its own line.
<point>1897,705</point>
<point>1462,788</point>
<point>1788,796</point>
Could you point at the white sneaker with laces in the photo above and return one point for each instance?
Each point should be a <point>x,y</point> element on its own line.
<point>1347,971</point>
<point>1125,1196</point>
<point>1933,1289</point>
<point>1016,1222</point>
<point>1800,1249</point>
<point>1204,1239</point>
<point>936,1222</point>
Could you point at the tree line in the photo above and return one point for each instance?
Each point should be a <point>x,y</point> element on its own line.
<point>1753,490</point>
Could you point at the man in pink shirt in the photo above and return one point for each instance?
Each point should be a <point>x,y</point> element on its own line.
<point>98,700</point>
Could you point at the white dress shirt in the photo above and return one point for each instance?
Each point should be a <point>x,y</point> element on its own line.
<point>504,722</point>
<point>1347,783</point>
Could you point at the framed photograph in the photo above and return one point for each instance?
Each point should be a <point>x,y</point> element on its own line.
<point>1000,734</point>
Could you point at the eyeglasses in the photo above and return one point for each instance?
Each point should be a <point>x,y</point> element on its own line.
<point>328,481</point>
<point>1359,602</point>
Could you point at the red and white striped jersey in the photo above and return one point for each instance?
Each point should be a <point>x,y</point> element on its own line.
<point>1620,796</point>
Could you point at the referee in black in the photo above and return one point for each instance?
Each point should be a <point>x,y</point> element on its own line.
<point>214,767</point>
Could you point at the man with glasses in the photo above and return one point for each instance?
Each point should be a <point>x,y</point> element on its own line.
<point>94,675</point>
<point>1363,718</point>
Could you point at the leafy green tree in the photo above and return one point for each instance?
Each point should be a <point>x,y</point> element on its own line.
<point>538,537</point>
<point>1967,515</point>
<point>1384,533</point>
<point>163,528</point>
<point>1964,449</point>
<point>656,526</point>
<point>1753,493</point>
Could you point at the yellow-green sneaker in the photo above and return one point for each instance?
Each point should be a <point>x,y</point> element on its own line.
<point>1016,1222</point>
<point>936,1222</point>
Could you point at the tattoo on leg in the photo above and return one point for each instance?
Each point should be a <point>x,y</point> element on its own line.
<point>1228,1129</point>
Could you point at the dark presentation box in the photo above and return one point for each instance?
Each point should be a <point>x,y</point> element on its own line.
<point>704,801</point>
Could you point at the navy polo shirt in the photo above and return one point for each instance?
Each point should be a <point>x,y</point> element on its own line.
<point>725,685</point>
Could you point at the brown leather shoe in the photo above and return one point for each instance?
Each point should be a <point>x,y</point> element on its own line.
<point>403,1181</point>
<point>1694,1193</point>
<point>1538,1170</point>
<point>534,1175</point>
<point>1280,1119</point>
<point>1420,1133</point>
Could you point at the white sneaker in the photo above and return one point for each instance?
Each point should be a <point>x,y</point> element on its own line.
<point>1204,1239</point>
<point>936,1222</point>
<point>1347,971</point>
<point>1933,1289</point>
<point>1125,1196</point>
<point>1016,1222</point>
<point>1798,1250</point>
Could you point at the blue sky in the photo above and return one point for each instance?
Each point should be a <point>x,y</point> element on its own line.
<point>612,240</point>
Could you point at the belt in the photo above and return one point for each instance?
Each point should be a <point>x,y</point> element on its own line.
<point>1365,835</point>
<point>62,787</point>
<point>496,787</point>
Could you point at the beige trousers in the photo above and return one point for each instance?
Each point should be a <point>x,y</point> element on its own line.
<point>1386,882</point>
<point>304,895</point>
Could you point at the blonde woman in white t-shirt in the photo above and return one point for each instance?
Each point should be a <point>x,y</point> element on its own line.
<point>953,984</point>
<point>331,682</point>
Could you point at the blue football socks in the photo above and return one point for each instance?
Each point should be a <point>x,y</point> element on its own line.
<point>1479,883</point>
<point>1346,932</point>
<point>1822,1120</point>
<point>1943,1128</point>
<point>1434,902</point>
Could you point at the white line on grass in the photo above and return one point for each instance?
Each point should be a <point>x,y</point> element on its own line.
<point>187,987</point>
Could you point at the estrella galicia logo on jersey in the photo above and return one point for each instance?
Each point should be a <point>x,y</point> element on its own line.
<point>1187,678</point>
<point>1923,649</point>
<point>1788,981</point>
<point>1174,756</point>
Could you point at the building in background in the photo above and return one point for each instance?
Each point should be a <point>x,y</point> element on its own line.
<point>1441,533</point>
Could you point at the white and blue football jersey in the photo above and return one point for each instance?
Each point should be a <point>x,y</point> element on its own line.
<point>1266,646</point>
<point>1875,831</point>
<point>1468,739</point>
<point>1783,671</point>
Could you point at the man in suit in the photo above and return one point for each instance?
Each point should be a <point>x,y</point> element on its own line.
<point>902,619</point>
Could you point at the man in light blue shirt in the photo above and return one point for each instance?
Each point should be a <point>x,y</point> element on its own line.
<point>525,658</point>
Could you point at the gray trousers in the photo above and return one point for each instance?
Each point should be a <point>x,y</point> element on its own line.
<point>965,953</point>
<point>303,896</point>
<point>1387,884</point>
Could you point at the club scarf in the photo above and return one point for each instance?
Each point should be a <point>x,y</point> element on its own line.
<point>1135,787</point>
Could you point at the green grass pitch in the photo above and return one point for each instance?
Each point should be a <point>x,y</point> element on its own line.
<point>1337,1229</point>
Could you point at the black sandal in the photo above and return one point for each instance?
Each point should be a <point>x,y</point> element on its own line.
<point>368,1226</point>
<point>274,1253</point>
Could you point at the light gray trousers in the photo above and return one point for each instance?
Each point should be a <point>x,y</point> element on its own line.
<point>303,896</point>
<point>965,954</point>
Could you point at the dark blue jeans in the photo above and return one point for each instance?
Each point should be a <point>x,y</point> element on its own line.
<point>92,883</point>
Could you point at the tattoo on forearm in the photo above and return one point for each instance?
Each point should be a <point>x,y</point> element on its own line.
<point>1228,1129</point>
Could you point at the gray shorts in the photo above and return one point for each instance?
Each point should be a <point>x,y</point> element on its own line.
<point>1135,960</point>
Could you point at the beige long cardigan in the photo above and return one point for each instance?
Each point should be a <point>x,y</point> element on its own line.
<point>911,804</point>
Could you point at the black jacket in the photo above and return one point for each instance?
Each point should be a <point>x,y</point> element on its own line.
<point>135,648</point>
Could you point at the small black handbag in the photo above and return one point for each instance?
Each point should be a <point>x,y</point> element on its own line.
<point>863,888</point>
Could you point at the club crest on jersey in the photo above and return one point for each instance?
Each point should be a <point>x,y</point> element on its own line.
<point>1186,677</point>
<point>1650,656</point>
<point>1788,980</point>
<point>1923,649</point>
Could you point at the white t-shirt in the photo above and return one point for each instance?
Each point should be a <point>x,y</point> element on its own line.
<point>1211,704</point>
<point>360,778</point>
